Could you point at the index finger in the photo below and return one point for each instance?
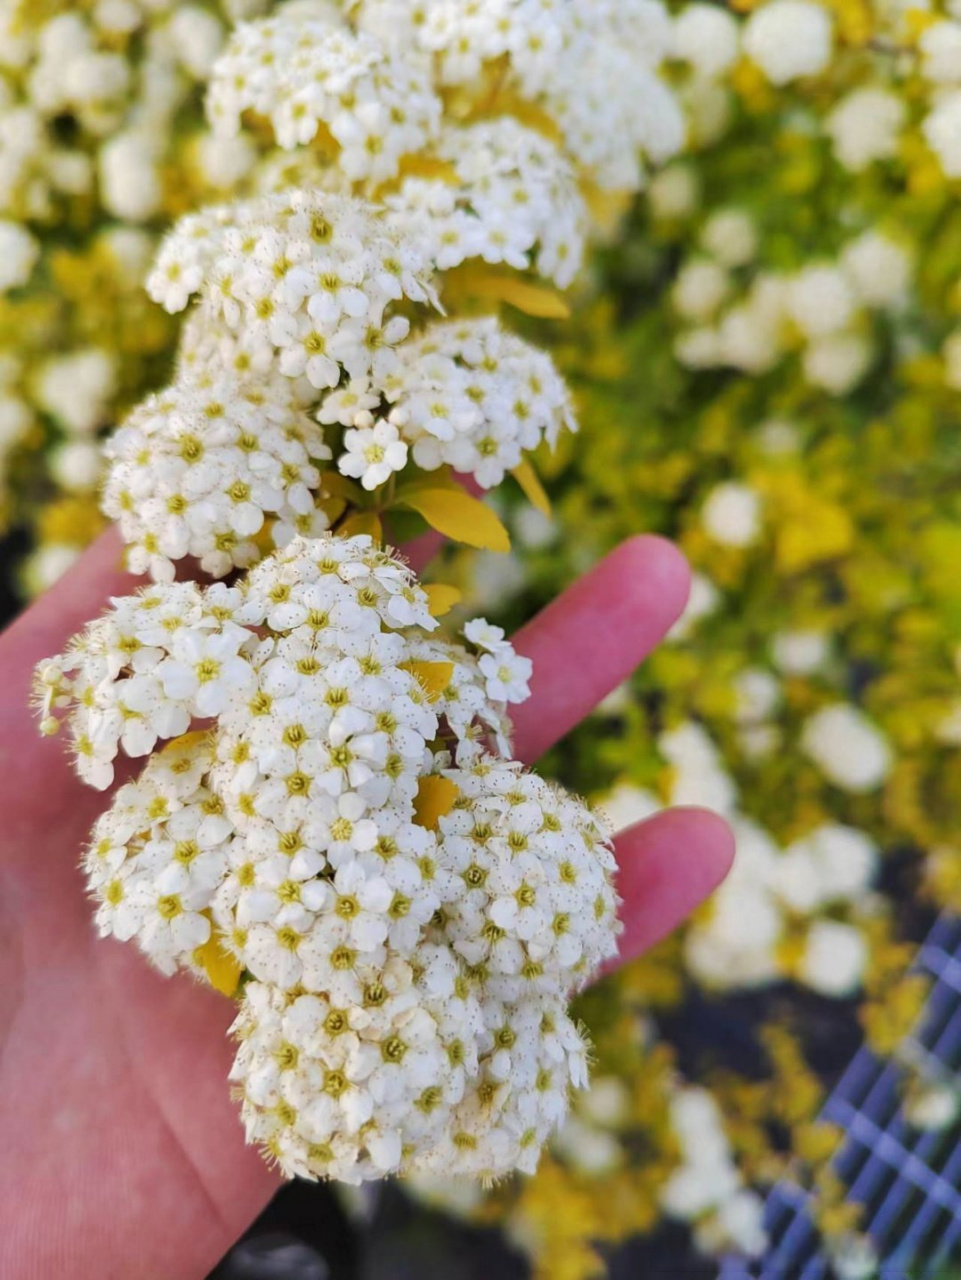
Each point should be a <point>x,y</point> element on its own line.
<point>592,637</point>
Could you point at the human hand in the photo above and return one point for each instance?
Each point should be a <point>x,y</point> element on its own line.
<point>124,1155</point>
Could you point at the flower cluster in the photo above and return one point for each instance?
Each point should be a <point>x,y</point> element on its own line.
<point>824,308</point>
<point>590,69</point>
<point>318,82</point>
<point>409,910</point>
<point>466,394</point>
<point>100,141</point>
<point>507,194</point>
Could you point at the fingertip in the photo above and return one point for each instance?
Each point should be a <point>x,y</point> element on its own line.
<point>713,839</point>
<point>668,865</point>
<point>656,565</point>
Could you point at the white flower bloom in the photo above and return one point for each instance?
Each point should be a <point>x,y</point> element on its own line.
<point>374,451</point>
<point>307,73</point>
<point>819,300</point>
<point>789,39</point>
<point>942,131</point>
<point>732,514</point>
<point>800,653</point>
<point>847,748</point>
<point>706,37</point>
<point>731,237</point>
<point>835,958</point>
<point>940,46</point>
<point>878,268</point>
<point>838,362</point>
<point>865,126</point>
<point>19,252</point>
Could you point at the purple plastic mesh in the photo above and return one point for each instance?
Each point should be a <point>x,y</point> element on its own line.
<point>908,1181</point>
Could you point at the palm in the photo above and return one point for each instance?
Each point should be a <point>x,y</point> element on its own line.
<point>125,1155</point>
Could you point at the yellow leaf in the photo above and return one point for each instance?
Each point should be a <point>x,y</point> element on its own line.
<point>457,515</point>
<point>334,485</point>
<point>532,299</point>
<point>434,677</point>
<point>822,532</point>
<point>221,968</point>
<point>362,522</point>
<point>440,598</point>
<point>418,166</point>
<point>435,798</point>
<point>529,481</point>
<point>333,508</point>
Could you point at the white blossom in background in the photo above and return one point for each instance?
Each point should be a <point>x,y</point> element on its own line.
<point>865,127</point>
<point>800,653</point>
<point>732,514</point>
<point>789,39</point>
<point>835,959</point>
<point>704,600</point>
<point>772,893</point>
<point>847,748</point>
<point>707,37</point>
<point>707,1190</point>
<point>305,71</point>
<point>593,71</point>
<point>942,131</point>
<point>19,252</point>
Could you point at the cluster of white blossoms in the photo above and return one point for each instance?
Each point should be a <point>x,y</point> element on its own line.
<point>590,69</point>
<point>332,821</point>
<point>507,195</point>
<point>751,319</point>
<point>198,470</point>
<point>915,73</point>
<point>795,912</point>
<point>467,394</point>
<point>119,73</point>
<point>318,82</point>
<point>707,1189</point>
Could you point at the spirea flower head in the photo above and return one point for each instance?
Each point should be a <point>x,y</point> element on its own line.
<point>410,909</point>
<point>591,69</point>
<point>473,396</point>
<point>200,468</point>
<point>318,82</point>
<point>511,197</point>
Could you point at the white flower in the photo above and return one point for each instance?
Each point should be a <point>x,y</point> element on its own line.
<point>942,131</point>
<point>838,362</point>
<point>800,653</point>
<point>700,288</point>
<point>507,675</point>
<point>940,45</point>
<point>484,635</point>
<point>878,268</point>
<point>834,959</point>
<point>730,236</point>
<point>819,300</point>
<point>19,252</point>
<point>707,37</point>
<point>789,39</point>
<point>847,748</point>
<point>374,451</point>
<point>865,126</point>
<point>732,514</point>
<point>757,693</point>
<point>673,193</point>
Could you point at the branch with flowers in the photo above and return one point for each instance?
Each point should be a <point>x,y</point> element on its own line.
<point>329,826</point>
